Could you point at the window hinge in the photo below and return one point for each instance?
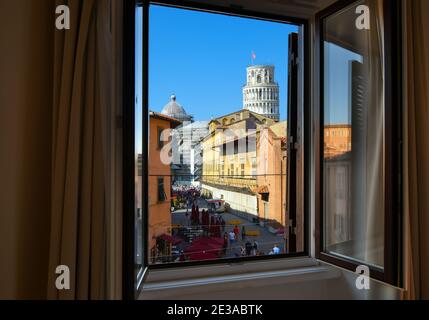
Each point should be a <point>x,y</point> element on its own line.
<point>292,144</point>
<point>295,59</point>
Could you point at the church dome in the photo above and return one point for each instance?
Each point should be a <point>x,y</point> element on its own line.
<point>175,110</point>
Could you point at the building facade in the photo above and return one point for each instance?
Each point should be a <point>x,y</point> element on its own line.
<point>159,185</point>
<point>186,144</point>
<point>230,161</point>
<point>338,202</point>
<point>271,173</point>
<point>261,92</point>
<point>187,151</point>
<point>337,140</point>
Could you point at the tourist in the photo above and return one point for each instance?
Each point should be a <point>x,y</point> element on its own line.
<point>182,256</point>
<point>276,249</point>
<point>231,237</point>
<point>254,248</point>
<point>236,231</point>
<point>225,243</point>
<point>222,222</point>
<point>248,248</point>
<point>243,233</point>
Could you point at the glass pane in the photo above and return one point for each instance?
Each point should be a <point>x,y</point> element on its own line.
<point>353,159</point>
<point>138,245</point>
<point>218,96</point>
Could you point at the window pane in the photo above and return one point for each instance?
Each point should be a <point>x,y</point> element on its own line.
<point>138,245</point>
<point>217,186</point>
<point>353,162</point>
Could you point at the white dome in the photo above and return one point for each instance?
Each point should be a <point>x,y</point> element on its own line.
<point>175,110</point>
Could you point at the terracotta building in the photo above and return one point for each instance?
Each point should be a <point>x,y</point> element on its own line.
<point>337,140</point>
<point>159,186</point>
<point>271,173</point>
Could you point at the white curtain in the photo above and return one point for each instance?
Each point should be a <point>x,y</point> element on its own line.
<point>374,208</point>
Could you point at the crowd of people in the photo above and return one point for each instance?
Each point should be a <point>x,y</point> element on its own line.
<point>231,240</point>
<point>212,225</point>
<point>235,242</point>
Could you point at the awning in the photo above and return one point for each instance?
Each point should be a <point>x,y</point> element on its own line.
<point>202,256</point>
<point>170,239</point>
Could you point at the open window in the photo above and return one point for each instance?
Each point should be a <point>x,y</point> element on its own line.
<point>358,193</point>
<point>219,179</point>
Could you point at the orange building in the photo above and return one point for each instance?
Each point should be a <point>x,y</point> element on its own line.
<point>271,174</point>
<point>159,187</point>
<point>337,140</point>
<point>272,187</point>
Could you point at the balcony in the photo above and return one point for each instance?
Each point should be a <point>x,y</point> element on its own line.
<point>246,182</point>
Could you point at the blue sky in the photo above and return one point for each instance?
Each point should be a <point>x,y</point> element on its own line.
<point>337,82</point>
<point>202,59</point>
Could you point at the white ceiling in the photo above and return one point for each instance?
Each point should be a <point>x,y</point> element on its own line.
<point>294,8</point>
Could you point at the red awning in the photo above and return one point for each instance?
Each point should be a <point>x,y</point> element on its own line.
<point>202,256</point>
<point>170,239</point>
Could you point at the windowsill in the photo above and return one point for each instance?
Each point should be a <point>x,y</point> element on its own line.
<point>172,283</point>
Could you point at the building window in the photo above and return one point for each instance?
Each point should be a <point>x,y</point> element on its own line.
<point>160,138</point>
<point>161,191</point>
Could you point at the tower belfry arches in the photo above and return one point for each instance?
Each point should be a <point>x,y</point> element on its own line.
<point>261,92</point>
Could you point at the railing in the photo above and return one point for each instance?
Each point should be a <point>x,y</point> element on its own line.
<point>240,182</point>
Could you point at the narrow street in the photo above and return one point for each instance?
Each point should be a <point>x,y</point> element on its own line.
<point>265,240</point>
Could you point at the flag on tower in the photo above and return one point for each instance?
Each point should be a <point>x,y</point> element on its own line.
<point>253,56</point>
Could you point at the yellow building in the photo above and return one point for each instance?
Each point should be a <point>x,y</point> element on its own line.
<point>230,160</point>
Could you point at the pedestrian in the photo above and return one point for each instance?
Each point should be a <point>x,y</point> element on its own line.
<point>243,233</point>
<point>236,231</point>
<point>222,222</point>
<point>182,256</point>
<point>248,248</point>
<point>225,243</point>
<point>276,249</point>
<point>231,237</point>
<point>254,248</point>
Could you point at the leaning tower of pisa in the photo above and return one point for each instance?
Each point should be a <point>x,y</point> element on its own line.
<point>261,93</point>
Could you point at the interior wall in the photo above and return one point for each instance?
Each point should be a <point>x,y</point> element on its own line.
<point>26,41</point>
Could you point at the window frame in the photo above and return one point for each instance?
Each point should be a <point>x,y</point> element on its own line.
<point>392,270</point>
<point>128,280</point>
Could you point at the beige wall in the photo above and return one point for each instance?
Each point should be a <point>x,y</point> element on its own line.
<point>26,40</point>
